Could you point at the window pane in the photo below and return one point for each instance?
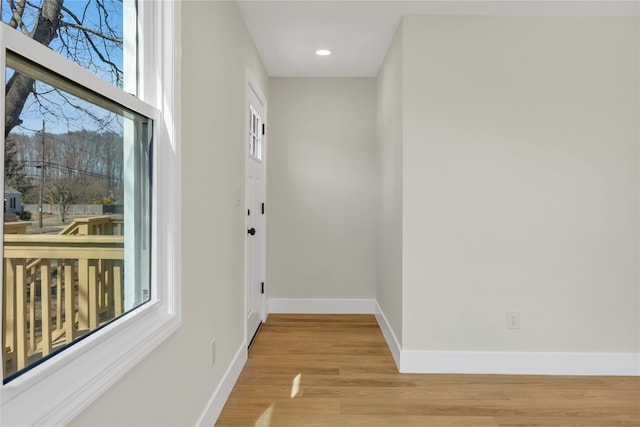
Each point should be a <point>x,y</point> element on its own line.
<point>88,32</point>
<point>77,230</point>
<point>255,134</point>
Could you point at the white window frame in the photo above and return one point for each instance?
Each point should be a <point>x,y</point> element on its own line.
<point>57,390</point>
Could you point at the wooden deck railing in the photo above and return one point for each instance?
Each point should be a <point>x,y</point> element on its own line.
<point>18,227</point>
<point>57,288</point>
<point>104,225</point>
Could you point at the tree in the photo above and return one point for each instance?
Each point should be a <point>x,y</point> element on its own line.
<point>89,42</point>
<point>88,32</point>
<point>91,162</point>
<point>14,172</point>
<point>61,194</point>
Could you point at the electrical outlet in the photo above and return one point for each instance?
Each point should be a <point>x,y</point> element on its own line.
<point>213,352</point>
<point>513,319</point>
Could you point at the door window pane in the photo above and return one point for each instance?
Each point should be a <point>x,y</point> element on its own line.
<point>255,134</point>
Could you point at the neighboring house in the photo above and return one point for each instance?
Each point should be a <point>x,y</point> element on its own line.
<point>12,200</point>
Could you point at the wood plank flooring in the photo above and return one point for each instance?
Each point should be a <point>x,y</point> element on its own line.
<point>336,370</point>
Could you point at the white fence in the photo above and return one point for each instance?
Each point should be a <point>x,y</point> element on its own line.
<point>74,209</point>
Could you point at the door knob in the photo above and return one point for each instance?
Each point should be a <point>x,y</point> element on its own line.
<point>251,231</point>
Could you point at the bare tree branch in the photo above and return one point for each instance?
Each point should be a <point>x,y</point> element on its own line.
<point>16,15</point>
<point>18,89</point>
<point>105,36</point>
<point>20,86</point>
<point>78,25</point>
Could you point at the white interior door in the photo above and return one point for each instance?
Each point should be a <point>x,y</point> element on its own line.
<point>255,274</point>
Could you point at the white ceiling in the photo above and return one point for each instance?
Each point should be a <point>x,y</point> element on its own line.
<point>287,33</point>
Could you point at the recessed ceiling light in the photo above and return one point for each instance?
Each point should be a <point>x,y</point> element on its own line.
<point>323,52</point>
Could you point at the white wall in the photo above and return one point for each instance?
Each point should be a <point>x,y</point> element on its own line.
<point>520,178</point>
<point>321,188</point>
<point>389,87</point>
<point>173,385</point>
<point>519,190</point>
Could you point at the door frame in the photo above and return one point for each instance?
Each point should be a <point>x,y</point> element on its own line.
<point>252,86</point>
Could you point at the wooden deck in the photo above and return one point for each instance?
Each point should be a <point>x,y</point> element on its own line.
<point>336,370</point>
<point>59,287</point>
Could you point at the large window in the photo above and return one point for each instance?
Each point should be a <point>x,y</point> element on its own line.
<point>88,280</point>
<point>85,173</point>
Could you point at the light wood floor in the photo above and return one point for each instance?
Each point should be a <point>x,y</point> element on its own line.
<point>336,370</point>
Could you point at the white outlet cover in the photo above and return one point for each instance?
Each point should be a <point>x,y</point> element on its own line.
<point>513,319</point>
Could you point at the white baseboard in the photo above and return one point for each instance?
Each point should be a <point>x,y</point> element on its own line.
<point>214,407</point>
<point>389,336</point>
<point>322,306</point>
<point>519,363</point>
<point>505,362</point>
